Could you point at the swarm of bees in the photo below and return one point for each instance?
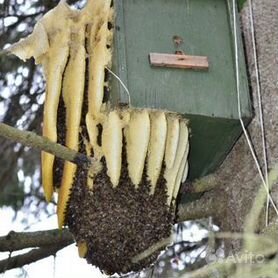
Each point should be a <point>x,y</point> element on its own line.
<point>124,203</point>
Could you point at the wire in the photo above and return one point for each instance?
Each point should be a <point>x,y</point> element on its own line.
<point>239,111</point>
<point>122,83</point>
<point>258,83</point>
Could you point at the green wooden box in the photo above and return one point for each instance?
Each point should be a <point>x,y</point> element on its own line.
<point>207,98</point>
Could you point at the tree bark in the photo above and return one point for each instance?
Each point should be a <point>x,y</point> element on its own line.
<point>237,179</point>
<point>30,139</point>
<point>44,244</point>
<point>16,241</point>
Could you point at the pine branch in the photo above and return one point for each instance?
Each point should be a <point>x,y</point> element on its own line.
<point>30,139</point>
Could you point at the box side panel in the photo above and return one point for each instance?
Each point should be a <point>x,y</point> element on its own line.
<point>210,141</point>
<point>145,26</point>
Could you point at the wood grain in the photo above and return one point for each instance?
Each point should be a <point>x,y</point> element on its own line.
<point>180,61</point>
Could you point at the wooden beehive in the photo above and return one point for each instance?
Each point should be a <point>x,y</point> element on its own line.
<point>207,98</point>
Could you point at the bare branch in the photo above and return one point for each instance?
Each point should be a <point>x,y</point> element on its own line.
<point>30,139</point>
<point>212,203</point>
<point>31,256</point>
<point>49,243</point>
<point>16,241</point>
<point>200,185</point>
<point>252,219</point>
<point>152,249</point>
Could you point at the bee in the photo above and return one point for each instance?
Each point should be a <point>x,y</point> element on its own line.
<point>124,203</point>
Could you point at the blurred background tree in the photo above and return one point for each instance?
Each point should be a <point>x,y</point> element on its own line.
<point>21,99</point>
<point>21,106</point>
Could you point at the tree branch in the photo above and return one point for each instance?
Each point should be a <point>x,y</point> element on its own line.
<point>16,241</point>
<point>252,219</point>
<point>211,203</point>
<point>31,256</point>
<point>3,52</point>
<point>49,243</point>
<point>229,266</point>
<point>30,139</point>
<point>152,249</point>
<point>200,185</point>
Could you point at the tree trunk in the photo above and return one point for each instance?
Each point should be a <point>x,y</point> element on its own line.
<point>238,179</point>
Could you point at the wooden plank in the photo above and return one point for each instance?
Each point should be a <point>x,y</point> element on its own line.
<point>180,61</point>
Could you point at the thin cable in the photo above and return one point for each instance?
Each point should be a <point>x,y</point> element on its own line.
<point>122,83</point>
<point>258,83</point>
<point>239,111</point>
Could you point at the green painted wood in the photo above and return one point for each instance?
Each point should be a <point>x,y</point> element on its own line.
<point>210,141</point>
<point>208,98</point>
<point>119,57</point>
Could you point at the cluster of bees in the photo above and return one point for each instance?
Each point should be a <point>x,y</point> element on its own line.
<point>129,145</point>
